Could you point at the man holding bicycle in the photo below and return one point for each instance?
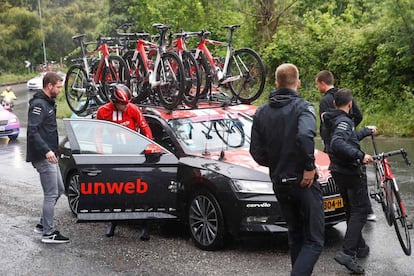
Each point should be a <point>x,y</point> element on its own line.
<point>349,172</point>
<point>325,83</point>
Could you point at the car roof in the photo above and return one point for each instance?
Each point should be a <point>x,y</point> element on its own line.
<point>204,110</point>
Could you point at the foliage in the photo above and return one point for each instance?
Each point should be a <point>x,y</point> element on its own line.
<point>367,44</point>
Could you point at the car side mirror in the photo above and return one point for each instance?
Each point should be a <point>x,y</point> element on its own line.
<point>153,153</point>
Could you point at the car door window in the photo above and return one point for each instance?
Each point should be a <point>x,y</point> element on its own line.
<point>102,137</point>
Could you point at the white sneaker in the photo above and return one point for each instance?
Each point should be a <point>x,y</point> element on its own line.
<point>372,217</point>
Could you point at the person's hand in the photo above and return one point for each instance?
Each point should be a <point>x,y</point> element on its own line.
<point>367,159</point>
<point>51,157</point>
<point>308,178</point>
<point>373,129</point>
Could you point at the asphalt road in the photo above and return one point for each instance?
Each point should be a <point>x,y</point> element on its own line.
<point>170,250</point>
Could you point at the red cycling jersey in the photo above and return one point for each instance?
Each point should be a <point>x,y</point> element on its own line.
<point>131,117</point>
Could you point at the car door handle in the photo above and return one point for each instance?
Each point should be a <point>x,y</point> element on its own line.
<point>64,156</point>
<point>91,172</point>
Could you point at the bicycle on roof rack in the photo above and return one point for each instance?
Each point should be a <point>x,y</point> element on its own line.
<point>154,71</point>
<point>387,193</point>
<point>242,70</point>
<point>177,43</point>
<point>88,80</point>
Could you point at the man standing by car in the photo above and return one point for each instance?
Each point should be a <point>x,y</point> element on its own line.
<point>348,170</point>
<point>282,139</point>
<point>121,111</point>
<point>325,83</point>
<point>42,151</point>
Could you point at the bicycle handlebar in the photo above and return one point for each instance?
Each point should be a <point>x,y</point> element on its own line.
<point>384,155</point>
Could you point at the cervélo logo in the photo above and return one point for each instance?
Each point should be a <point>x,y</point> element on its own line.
<point>101,188</point>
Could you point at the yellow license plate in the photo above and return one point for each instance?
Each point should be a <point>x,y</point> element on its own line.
<point>333,204</point>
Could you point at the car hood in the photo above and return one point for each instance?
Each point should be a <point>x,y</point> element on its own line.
<point>238,163</point>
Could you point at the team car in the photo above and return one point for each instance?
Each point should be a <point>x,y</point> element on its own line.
<point>196,170</point>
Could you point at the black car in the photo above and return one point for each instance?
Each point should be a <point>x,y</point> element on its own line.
<point>197,170</point>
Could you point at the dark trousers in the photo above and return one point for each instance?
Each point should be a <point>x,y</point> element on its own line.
<point>303,211</point>
<point>353,190</point>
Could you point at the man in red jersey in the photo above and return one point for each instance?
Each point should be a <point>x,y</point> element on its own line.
<point>120,110</point>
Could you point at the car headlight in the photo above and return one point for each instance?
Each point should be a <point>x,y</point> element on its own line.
<point>13,120</point>
<point>251,186</point>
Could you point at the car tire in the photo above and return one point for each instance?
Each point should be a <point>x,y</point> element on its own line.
<point>13,137</point>
<point>73,192</point>
<point>206,221</point>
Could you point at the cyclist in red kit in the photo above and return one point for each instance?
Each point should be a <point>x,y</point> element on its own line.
<point>121,111</point>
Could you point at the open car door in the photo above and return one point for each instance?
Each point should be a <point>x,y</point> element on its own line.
<point>122,174</point>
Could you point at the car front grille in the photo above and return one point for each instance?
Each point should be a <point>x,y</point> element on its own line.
<point>3,122</point>
<point>329,187</point>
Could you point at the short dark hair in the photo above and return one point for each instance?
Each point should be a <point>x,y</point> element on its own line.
<point>51,77</point>
<point>342,97</point>
<point>325,76</point>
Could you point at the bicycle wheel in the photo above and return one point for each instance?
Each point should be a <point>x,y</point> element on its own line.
<point>76,89</point>
<point>192,79</point>
<point>390,201</point>
<point>205,75</point>
<point>170,78</point>
<point>139,77</point>
<point>247,75</point>
<point>400,222</point>
<point>117,72</point>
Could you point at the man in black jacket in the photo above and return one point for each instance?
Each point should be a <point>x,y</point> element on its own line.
<point>349,172</point>
<point>282,139</point>
<point>42,152</point>
<point>325,84</point>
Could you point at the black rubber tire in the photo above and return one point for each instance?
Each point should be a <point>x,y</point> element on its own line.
<point>73,192</point>
<point>252,82</point>
<point>117,72</point>
<point>400,223</point>
<point>192,79</point>
<point>389,201</point>
<point>76,86</point>
<point>204,69</point>
<point>170,75</point>
<point>206,221</point>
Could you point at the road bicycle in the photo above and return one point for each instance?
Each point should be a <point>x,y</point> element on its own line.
<point>388,195</point>
<point>177,43</point>
<point>88,80</point>
<point>242,70</point>
<point>154,71</point>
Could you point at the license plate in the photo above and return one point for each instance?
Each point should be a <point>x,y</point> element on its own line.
<point>333,204</point>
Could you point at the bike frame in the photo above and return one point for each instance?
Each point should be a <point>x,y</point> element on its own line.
<point>386,174</point>
<point>202,48</point>
<point>103,52</point>
<point>142,48</point>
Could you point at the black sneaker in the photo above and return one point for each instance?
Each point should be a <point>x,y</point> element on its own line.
<point>362,252</point>
<point>38,229</point>
<point>349,262</point>
<point>55,237</point>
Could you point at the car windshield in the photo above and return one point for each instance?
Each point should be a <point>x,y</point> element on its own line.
<point>213,132</point>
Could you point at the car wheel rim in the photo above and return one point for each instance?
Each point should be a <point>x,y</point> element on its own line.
<point>73,193</point>
<point>203,220</point>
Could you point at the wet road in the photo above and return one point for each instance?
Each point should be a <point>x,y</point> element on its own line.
<point>170,251</point>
